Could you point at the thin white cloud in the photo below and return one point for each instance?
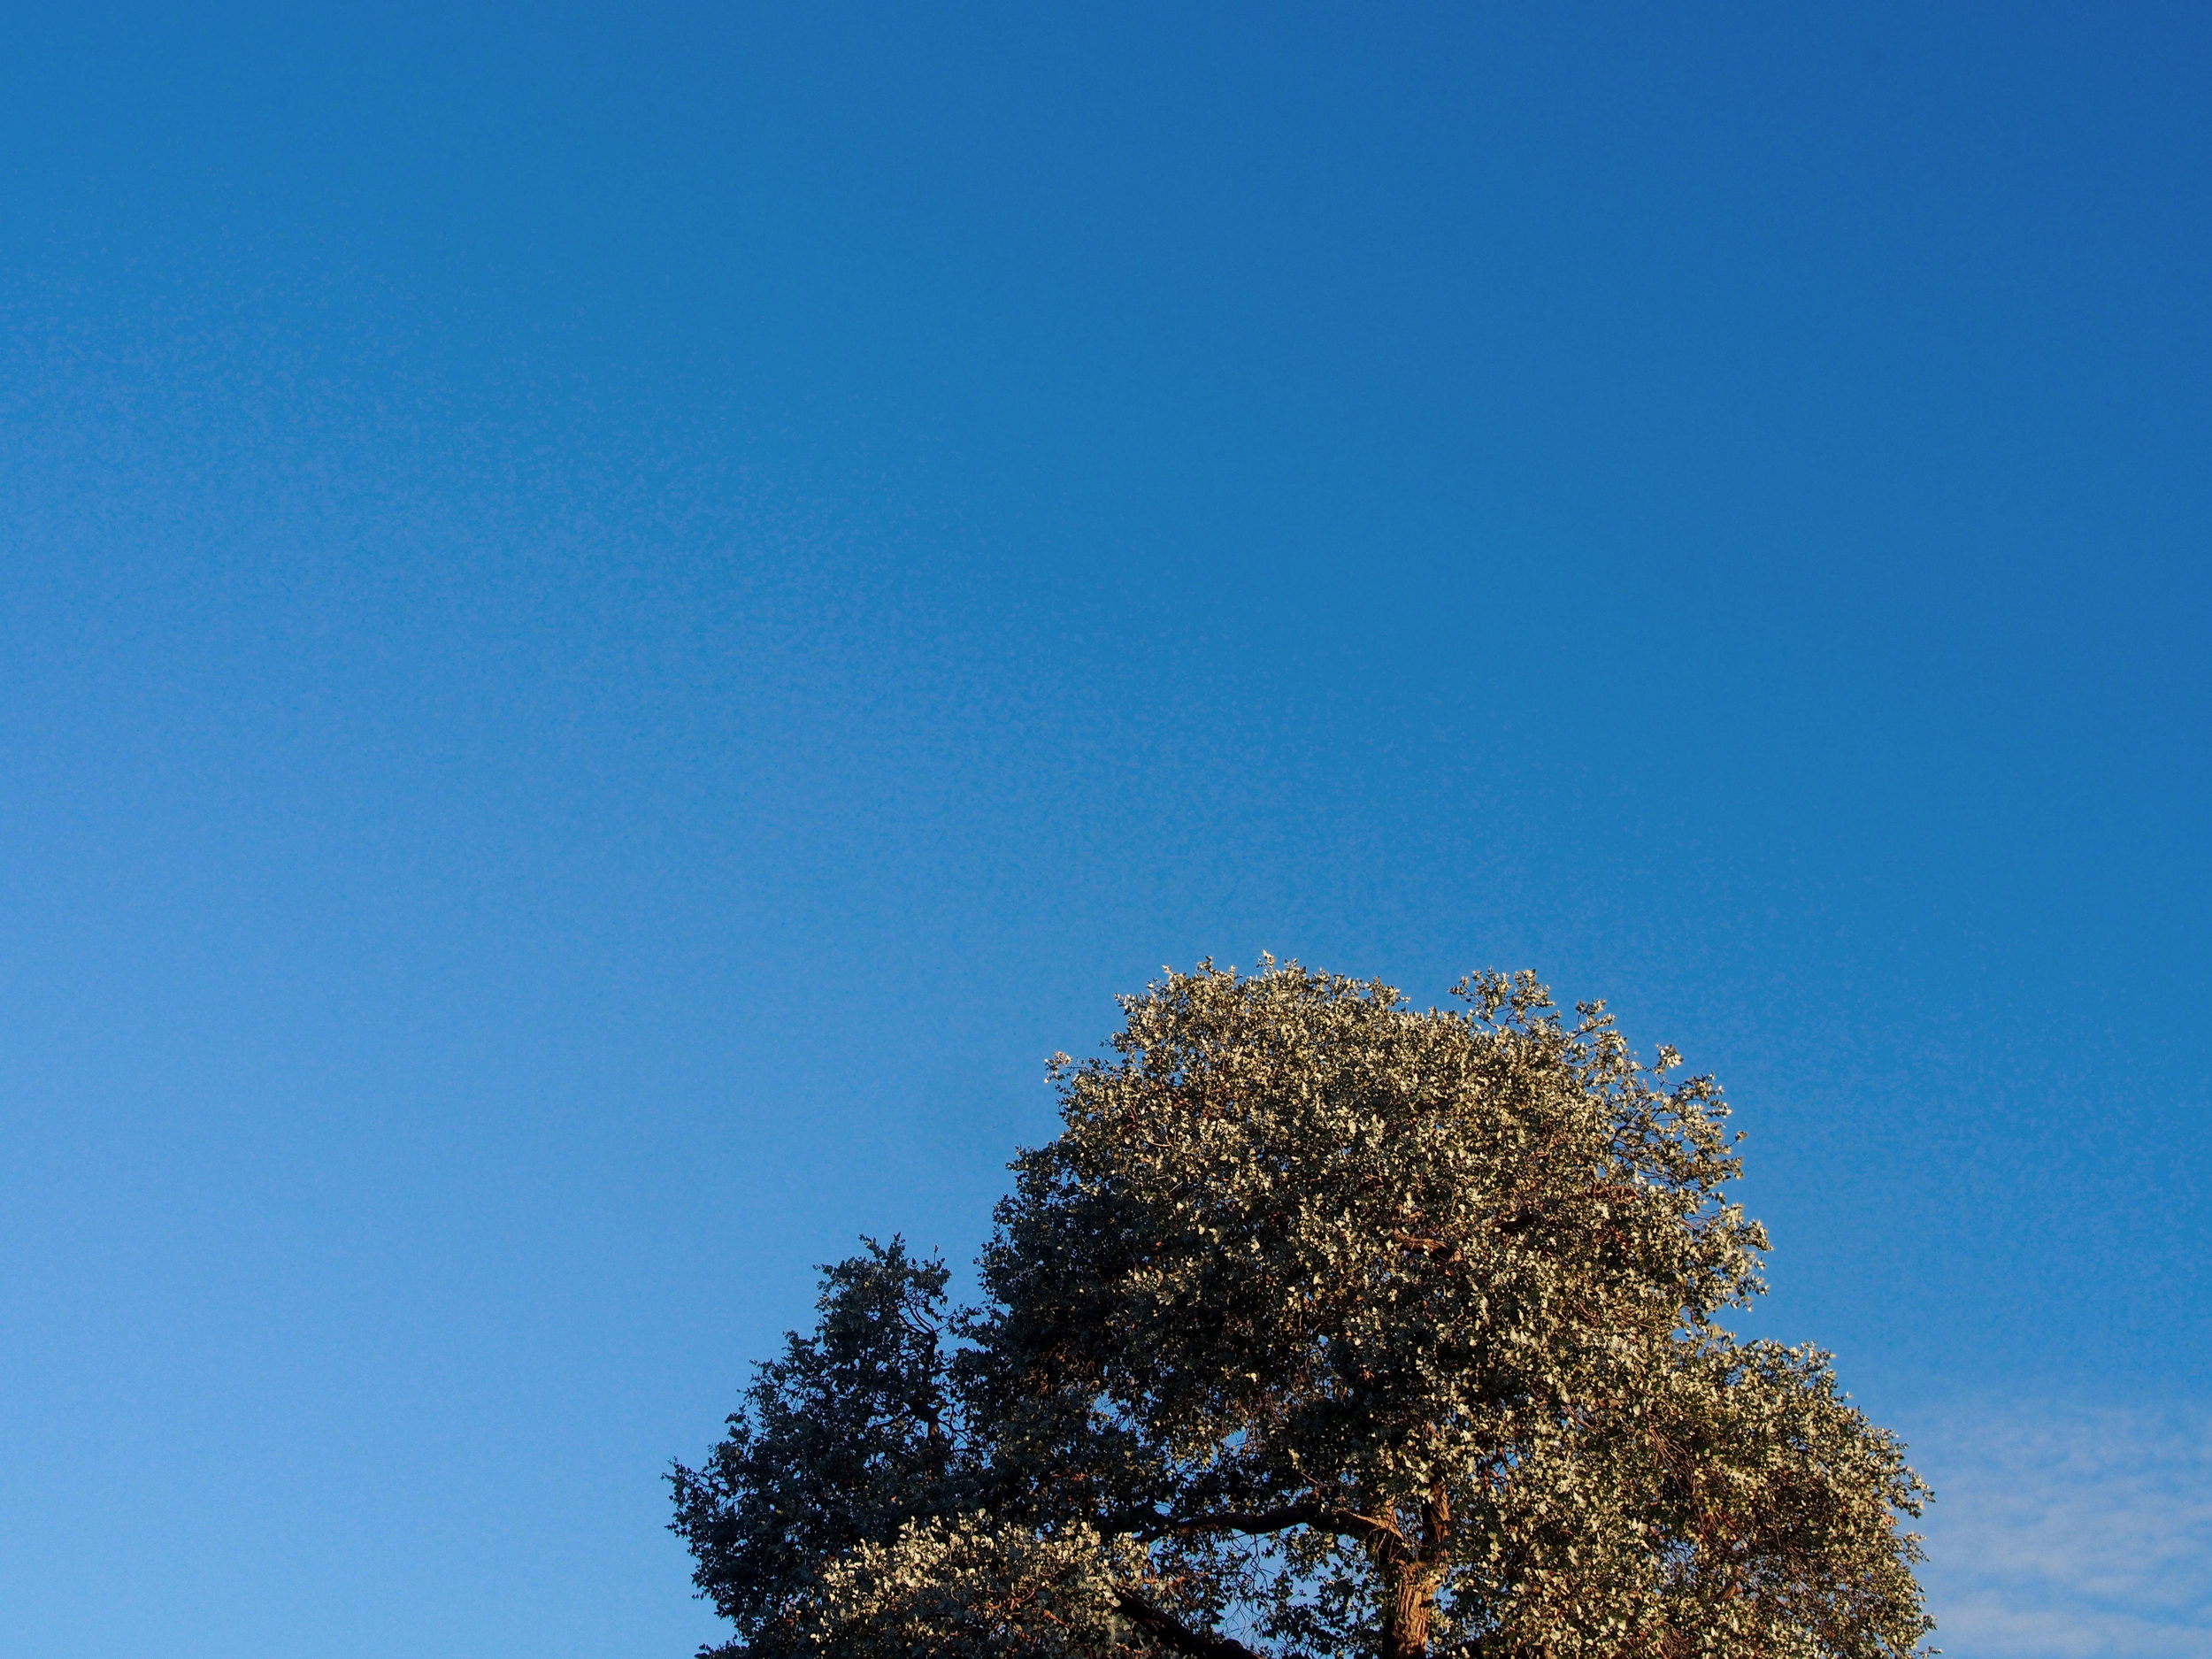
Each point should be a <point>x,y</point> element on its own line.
<point>2069,1534</point>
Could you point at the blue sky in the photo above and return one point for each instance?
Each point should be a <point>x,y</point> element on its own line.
<point>614,620</point>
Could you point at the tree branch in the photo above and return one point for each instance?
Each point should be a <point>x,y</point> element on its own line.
<point>1167,1628</point>
<point>1345,1523</point>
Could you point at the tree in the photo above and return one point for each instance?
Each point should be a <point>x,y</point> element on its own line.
<point>1325,1326</point>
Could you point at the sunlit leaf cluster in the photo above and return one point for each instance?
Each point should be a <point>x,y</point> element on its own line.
<point>1328,1324</point>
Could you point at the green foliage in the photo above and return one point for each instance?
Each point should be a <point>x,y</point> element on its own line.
<point>957,1586</point>
<point>852,1432</point>
<point>1326,1324</point>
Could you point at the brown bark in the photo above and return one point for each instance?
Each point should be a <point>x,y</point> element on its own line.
<point>1410,1578</point>
<point>1412,1598</point>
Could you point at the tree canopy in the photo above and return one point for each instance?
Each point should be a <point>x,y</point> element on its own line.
<point>1325,1326</point>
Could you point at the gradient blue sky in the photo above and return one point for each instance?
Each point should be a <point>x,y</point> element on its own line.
<point>613,620</point>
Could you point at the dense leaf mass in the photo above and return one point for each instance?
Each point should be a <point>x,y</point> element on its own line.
<point>961,1585</point>
<point>840,1441</point>
<point>1325,1326</point>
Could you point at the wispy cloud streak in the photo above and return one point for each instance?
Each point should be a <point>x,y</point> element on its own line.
<point>2063,1534</point>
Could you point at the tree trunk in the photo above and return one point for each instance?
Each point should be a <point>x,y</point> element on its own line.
<point>1405,1632</point>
